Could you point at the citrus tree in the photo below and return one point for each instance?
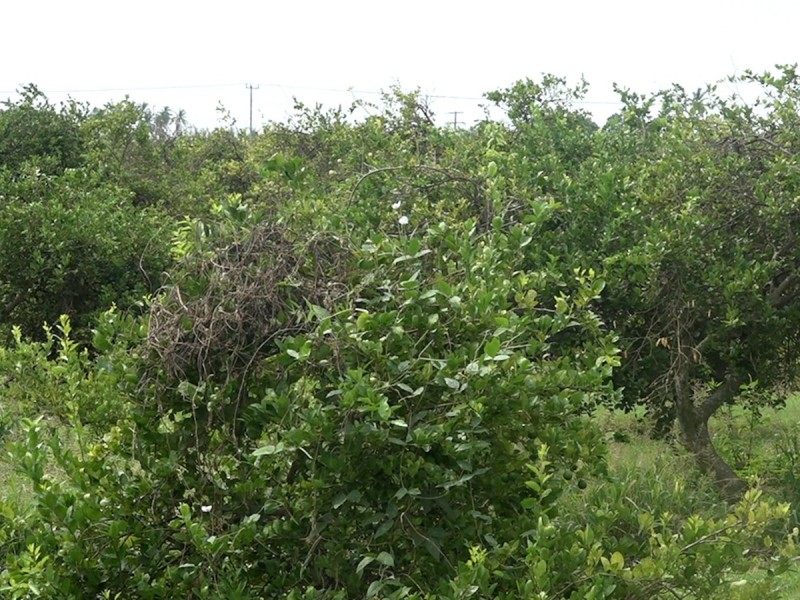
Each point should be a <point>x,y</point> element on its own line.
<point>687,203</point>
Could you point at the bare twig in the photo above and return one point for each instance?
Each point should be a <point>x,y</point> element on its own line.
<point>451,175</point>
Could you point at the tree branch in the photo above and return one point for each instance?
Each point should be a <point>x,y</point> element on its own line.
<point>723,393</point>
<point>451,175</point>
<point>778,296</point>
<point>9,308</point>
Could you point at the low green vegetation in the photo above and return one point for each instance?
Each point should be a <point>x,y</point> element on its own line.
<point>660,474</point>
<point>537,358</point>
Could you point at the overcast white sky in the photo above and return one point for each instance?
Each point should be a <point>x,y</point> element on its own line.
<point>194,55</point>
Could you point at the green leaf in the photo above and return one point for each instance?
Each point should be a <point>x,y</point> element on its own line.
<point>384,528</point>
<point>540,569</point>
<point>402,259</point>
<point>367,560</point>
<point>405,387</point>
<point>342,498</point>
<point>492,348</point>
<point>453,384</point>
<point>363,320</point>
<point>319,312</point>
<point>463,479</point>
<point>270,449</point>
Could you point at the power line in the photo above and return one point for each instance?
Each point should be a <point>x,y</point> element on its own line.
<point>153,88</point>
<point>467,104</point>
<point>274,85</point>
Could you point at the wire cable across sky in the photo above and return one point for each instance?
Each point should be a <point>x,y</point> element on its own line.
<point>205,102</point>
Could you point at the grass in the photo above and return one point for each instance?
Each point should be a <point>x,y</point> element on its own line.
<point>764,448</point>
<point>15,486</point>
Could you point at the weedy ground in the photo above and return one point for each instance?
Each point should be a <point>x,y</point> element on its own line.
<point>660,475</point>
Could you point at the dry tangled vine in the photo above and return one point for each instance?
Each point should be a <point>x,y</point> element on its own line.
<point>224,311</point>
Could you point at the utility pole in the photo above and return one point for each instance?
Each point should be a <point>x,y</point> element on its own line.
<point>251,88</point>
<point>455,114</point>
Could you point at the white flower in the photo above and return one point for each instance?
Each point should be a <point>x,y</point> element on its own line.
<point>397,205</point>
<point>206,508</point>
<point>403,220</point>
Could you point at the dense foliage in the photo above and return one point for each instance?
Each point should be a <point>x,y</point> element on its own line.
<point>342,359</point>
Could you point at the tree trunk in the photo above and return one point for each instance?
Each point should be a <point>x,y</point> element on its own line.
<point>7,310</point>
<point>698,441</point>
<point>693,421</point>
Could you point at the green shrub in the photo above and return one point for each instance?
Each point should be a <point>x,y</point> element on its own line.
<point>86,248</point>
<point>372,445</point>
